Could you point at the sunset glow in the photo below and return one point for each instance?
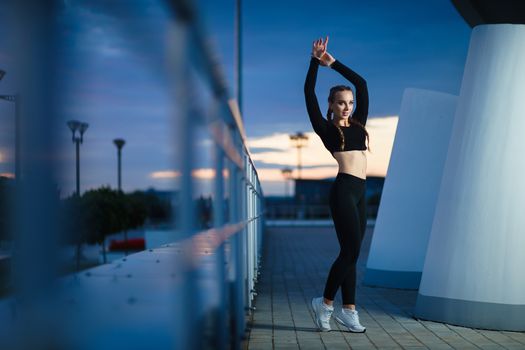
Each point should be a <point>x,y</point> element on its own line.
<point>275,152</point>
<point>316,160</point>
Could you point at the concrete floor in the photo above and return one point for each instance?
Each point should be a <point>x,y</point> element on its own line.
<point>296,262</point>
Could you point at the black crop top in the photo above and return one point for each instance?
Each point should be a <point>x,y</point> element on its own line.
<point>354,135</point>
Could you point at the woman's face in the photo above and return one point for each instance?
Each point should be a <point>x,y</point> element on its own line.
<point>343,104</point>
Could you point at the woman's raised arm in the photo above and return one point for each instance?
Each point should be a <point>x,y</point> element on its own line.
<point>319,123</point>
<point>361,111</point>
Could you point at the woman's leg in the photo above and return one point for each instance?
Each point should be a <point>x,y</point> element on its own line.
<point>361,207</point>
<point>345,213</point>
<point>349,284</point>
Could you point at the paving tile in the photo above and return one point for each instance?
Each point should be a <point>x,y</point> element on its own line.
<point>438,346</point>
<point>515,347</point>
<point>257,346</point>
<point>312,347</point>
<point>518,336</point>
<point>296,261</point>
<point>279,346</point>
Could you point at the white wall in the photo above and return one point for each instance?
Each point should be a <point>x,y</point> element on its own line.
<point>476,248</point>
<point>406,211</point>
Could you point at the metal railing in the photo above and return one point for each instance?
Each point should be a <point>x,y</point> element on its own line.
<point>191,294</point>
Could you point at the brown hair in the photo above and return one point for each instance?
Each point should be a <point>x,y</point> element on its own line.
<point>329,115</point>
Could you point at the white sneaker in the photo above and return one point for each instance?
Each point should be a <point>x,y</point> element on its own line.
<point>350,319</point>
<point>322,314</point>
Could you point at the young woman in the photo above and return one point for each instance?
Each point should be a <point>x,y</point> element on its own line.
<point>343,134</point>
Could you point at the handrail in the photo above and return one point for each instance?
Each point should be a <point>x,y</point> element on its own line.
<point>145,286</point>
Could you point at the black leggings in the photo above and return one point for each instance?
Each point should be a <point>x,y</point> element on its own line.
<point>348,208</point>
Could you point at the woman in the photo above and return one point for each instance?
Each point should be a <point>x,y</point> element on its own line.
<point>343,134</point>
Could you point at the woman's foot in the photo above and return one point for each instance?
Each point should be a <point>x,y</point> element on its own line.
<point>350,319</point>
<point>322,314</point>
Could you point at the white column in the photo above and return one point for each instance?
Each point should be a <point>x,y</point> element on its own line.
<point>473,272</point>
<point>408,201</point>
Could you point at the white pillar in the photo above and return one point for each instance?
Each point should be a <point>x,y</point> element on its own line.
<point>473,272</point>
<point>408,201</point>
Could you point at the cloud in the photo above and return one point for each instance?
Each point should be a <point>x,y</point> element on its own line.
<point>382,131</point>
<point>263,149</point>
<point>282,152</point>
<point>164,174</point>
<point>200,174</point>
<point>207,173</point>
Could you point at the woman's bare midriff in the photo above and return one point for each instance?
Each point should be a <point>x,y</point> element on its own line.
<point>352,162</point>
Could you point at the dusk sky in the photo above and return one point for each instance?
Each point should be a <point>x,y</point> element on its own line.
<point>112,79</point>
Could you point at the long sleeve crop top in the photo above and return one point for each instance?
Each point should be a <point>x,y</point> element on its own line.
<point>355,136</point>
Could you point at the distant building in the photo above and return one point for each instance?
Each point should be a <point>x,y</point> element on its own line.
<point>312,197</point>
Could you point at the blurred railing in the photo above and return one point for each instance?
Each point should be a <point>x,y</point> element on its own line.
<point>159,298</point>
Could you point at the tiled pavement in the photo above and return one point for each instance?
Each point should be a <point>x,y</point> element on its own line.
<point>295,265</point>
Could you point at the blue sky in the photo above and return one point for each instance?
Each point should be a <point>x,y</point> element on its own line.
<point>393,44</point>
<point>114,74</point>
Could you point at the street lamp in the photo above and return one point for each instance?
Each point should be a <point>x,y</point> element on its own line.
<point>16,99</point>
<point>81,127</point>
<point>299,141</point>
<point>287,174</point>
<point>119,143</point>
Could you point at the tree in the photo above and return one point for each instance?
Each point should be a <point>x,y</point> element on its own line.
<point>103,211</point>
<point>73,227</point>
<point>137,209</point>
<point>104,215</point>
<point>157,210</point>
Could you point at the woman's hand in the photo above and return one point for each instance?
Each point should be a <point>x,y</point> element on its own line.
<point>319,51</point>
<point>319,47</point>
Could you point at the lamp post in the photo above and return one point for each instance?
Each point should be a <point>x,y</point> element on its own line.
<point>287,174</point>
<point>299,140</point>
<point>16,99</point>
<point>119,143</point>
<point>81,127</point>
